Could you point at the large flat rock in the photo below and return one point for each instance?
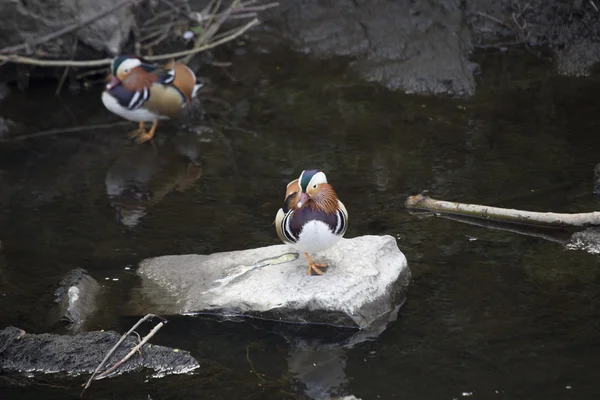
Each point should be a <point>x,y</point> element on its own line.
<point>366,279</point>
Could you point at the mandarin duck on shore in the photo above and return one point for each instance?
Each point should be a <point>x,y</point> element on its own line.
<point>143,92</point>
<point>312,218</point>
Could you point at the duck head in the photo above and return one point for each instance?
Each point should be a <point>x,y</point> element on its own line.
<point>121,67</point>
<point>316,192</point>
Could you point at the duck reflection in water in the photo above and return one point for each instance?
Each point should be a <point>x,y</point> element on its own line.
<point>143,175</point>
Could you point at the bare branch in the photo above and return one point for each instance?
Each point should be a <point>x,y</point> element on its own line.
<point>531,218</point>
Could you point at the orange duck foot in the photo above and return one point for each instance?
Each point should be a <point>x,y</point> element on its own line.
<point>312,266</point>
<point>141,135</point>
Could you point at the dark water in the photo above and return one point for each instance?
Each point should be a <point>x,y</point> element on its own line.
<point>490,314</point>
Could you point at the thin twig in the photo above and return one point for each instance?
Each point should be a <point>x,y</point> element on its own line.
<point>177,9</point>
<point>85,74</point>
<point>55,63</point>
<point>106,61</point>
<point>150,22</point>
<point>164,35</point>
<point>111,352</point>
<point>132,352</point>
<point>252,365</point>
<point>66,29</point>
<point>216,43</point>
<point>66,71</point>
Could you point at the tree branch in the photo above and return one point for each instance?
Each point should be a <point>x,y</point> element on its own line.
<point>106,61</point>
<point>532,218</point>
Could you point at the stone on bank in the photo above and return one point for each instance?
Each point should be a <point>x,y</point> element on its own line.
<point>366,279</point>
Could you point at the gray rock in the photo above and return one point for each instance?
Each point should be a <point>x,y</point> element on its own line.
<point>82,353</point>
<point>366,274</point>
<point>27,21</point>
<point>407,45</point>
<point>77,299</point>
<point>587,240</point>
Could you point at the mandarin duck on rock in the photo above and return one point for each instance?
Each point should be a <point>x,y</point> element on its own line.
<point>312,218</point>
<point>143,92</point>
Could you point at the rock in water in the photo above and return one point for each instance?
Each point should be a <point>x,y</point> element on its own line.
<point>82,353</point>
<point>77,298</point>
<point>365,280</point>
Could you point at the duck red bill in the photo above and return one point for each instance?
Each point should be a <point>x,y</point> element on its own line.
<point>113,82</point>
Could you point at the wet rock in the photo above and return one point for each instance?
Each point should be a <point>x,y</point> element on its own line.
<point>587,240</point>
<point>77,297</point>
<point>407,45</point>
<point>36,18</point>
<point>82,353</point>
<point>366,274</point>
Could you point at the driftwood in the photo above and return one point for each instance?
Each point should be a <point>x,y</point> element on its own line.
<point>531,218</point>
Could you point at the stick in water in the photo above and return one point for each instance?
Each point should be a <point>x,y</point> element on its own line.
<point>116,346</point>
<point>546,219</point>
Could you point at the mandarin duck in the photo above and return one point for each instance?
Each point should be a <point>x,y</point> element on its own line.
<point>312,218</point>
<point>143,92</point>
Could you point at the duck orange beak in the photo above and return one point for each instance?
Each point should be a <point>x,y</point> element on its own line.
<point>113,82</point>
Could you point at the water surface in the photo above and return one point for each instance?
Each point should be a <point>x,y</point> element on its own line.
<point>490,314</point>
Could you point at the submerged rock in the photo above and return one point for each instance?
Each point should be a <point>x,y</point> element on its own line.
<point>366,274</point>
<point>77,297</point>
<point>587,240</point>
<point>82,353</point>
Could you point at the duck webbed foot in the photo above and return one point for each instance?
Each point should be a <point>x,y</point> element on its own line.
<point>141,135</point>
<point>313,266</point>
<point>140,131</point>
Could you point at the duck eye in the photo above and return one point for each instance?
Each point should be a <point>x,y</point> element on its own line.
<point>314,186</point>
<point>126,70</point>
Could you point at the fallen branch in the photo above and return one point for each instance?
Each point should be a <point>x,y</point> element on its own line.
<point>545,219</point>
<point>106,373</point>
<point>116,346</point>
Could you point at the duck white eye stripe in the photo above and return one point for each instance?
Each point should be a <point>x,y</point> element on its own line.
<point>317,179</point>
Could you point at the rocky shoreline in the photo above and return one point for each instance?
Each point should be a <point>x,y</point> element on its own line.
<point>422,47</point>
